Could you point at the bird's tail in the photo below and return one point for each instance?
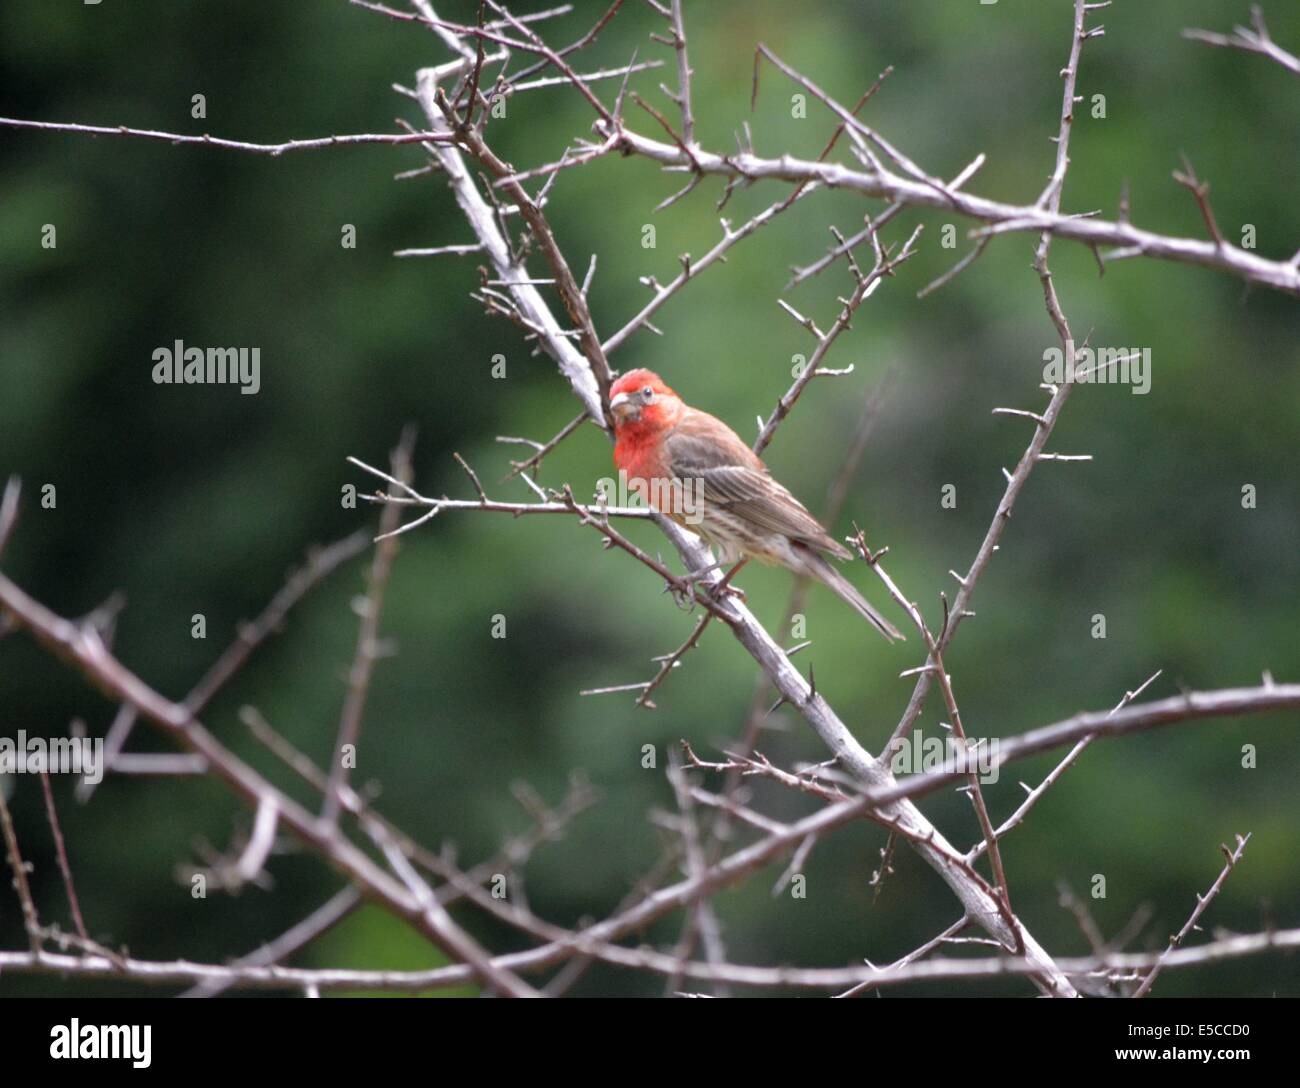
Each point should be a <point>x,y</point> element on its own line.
<point>819,568</point>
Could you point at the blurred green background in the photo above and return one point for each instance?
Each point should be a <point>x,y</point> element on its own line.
<point>197,499</point>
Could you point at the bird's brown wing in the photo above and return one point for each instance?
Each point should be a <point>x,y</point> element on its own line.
<point>733,477</point>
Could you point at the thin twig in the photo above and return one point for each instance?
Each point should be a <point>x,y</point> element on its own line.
<point>1202,901</point>
<point>370,608</point>
<point>61,852</point>
<point>1256,40</point>
<point>183,139</point>
<point>31,920</point>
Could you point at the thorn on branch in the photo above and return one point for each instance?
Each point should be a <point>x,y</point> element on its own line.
<point>1200,190</point>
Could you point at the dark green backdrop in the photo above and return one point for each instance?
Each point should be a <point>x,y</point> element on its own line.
<point>198,499</point>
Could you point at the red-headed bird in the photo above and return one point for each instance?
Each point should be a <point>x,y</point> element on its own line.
<point>693,468</point>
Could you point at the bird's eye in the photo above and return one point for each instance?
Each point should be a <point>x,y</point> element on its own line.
<point>647,392</point>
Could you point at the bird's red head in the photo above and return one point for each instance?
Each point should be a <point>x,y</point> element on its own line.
<point>641,400</point>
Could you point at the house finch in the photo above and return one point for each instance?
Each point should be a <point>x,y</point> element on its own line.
<point>695,469</point>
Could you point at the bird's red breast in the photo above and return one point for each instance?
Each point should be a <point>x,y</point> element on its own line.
<point>666,440</point>
<point>639,438</point>
<point>695,469</point>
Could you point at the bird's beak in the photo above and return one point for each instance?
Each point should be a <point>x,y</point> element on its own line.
<point>622,406</point>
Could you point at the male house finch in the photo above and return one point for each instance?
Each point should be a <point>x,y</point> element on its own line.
<point>695,469</point>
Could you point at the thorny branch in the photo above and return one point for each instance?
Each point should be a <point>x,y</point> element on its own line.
<point>1202,901</point>
<point>853,785</point>
<point>1252,39</point>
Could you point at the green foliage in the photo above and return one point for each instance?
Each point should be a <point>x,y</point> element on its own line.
<point>198,499</point>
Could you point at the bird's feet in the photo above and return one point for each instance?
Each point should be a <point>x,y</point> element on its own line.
<point>683,589</point>
<point>722,590</point>
<point>725,588</point>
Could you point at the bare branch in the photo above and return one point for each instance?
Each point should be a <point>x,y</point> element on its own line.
<point>866,287</point>
<point>1244,264</point>
<point>591,390</point>
<point>1046,420</point>
<point>1035,795</point>
<point>292,940</point>
<point>61,852</point>
<point>9,510</point>
<point>1202,901</point>
<point>274,150</point>
<point>274,977</point>
<point>692,268</point>
<point>1256,40</point>
<point>86,651</point>
<point>31,920</point>
<point>369,607</point>
<point>542,448</point>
